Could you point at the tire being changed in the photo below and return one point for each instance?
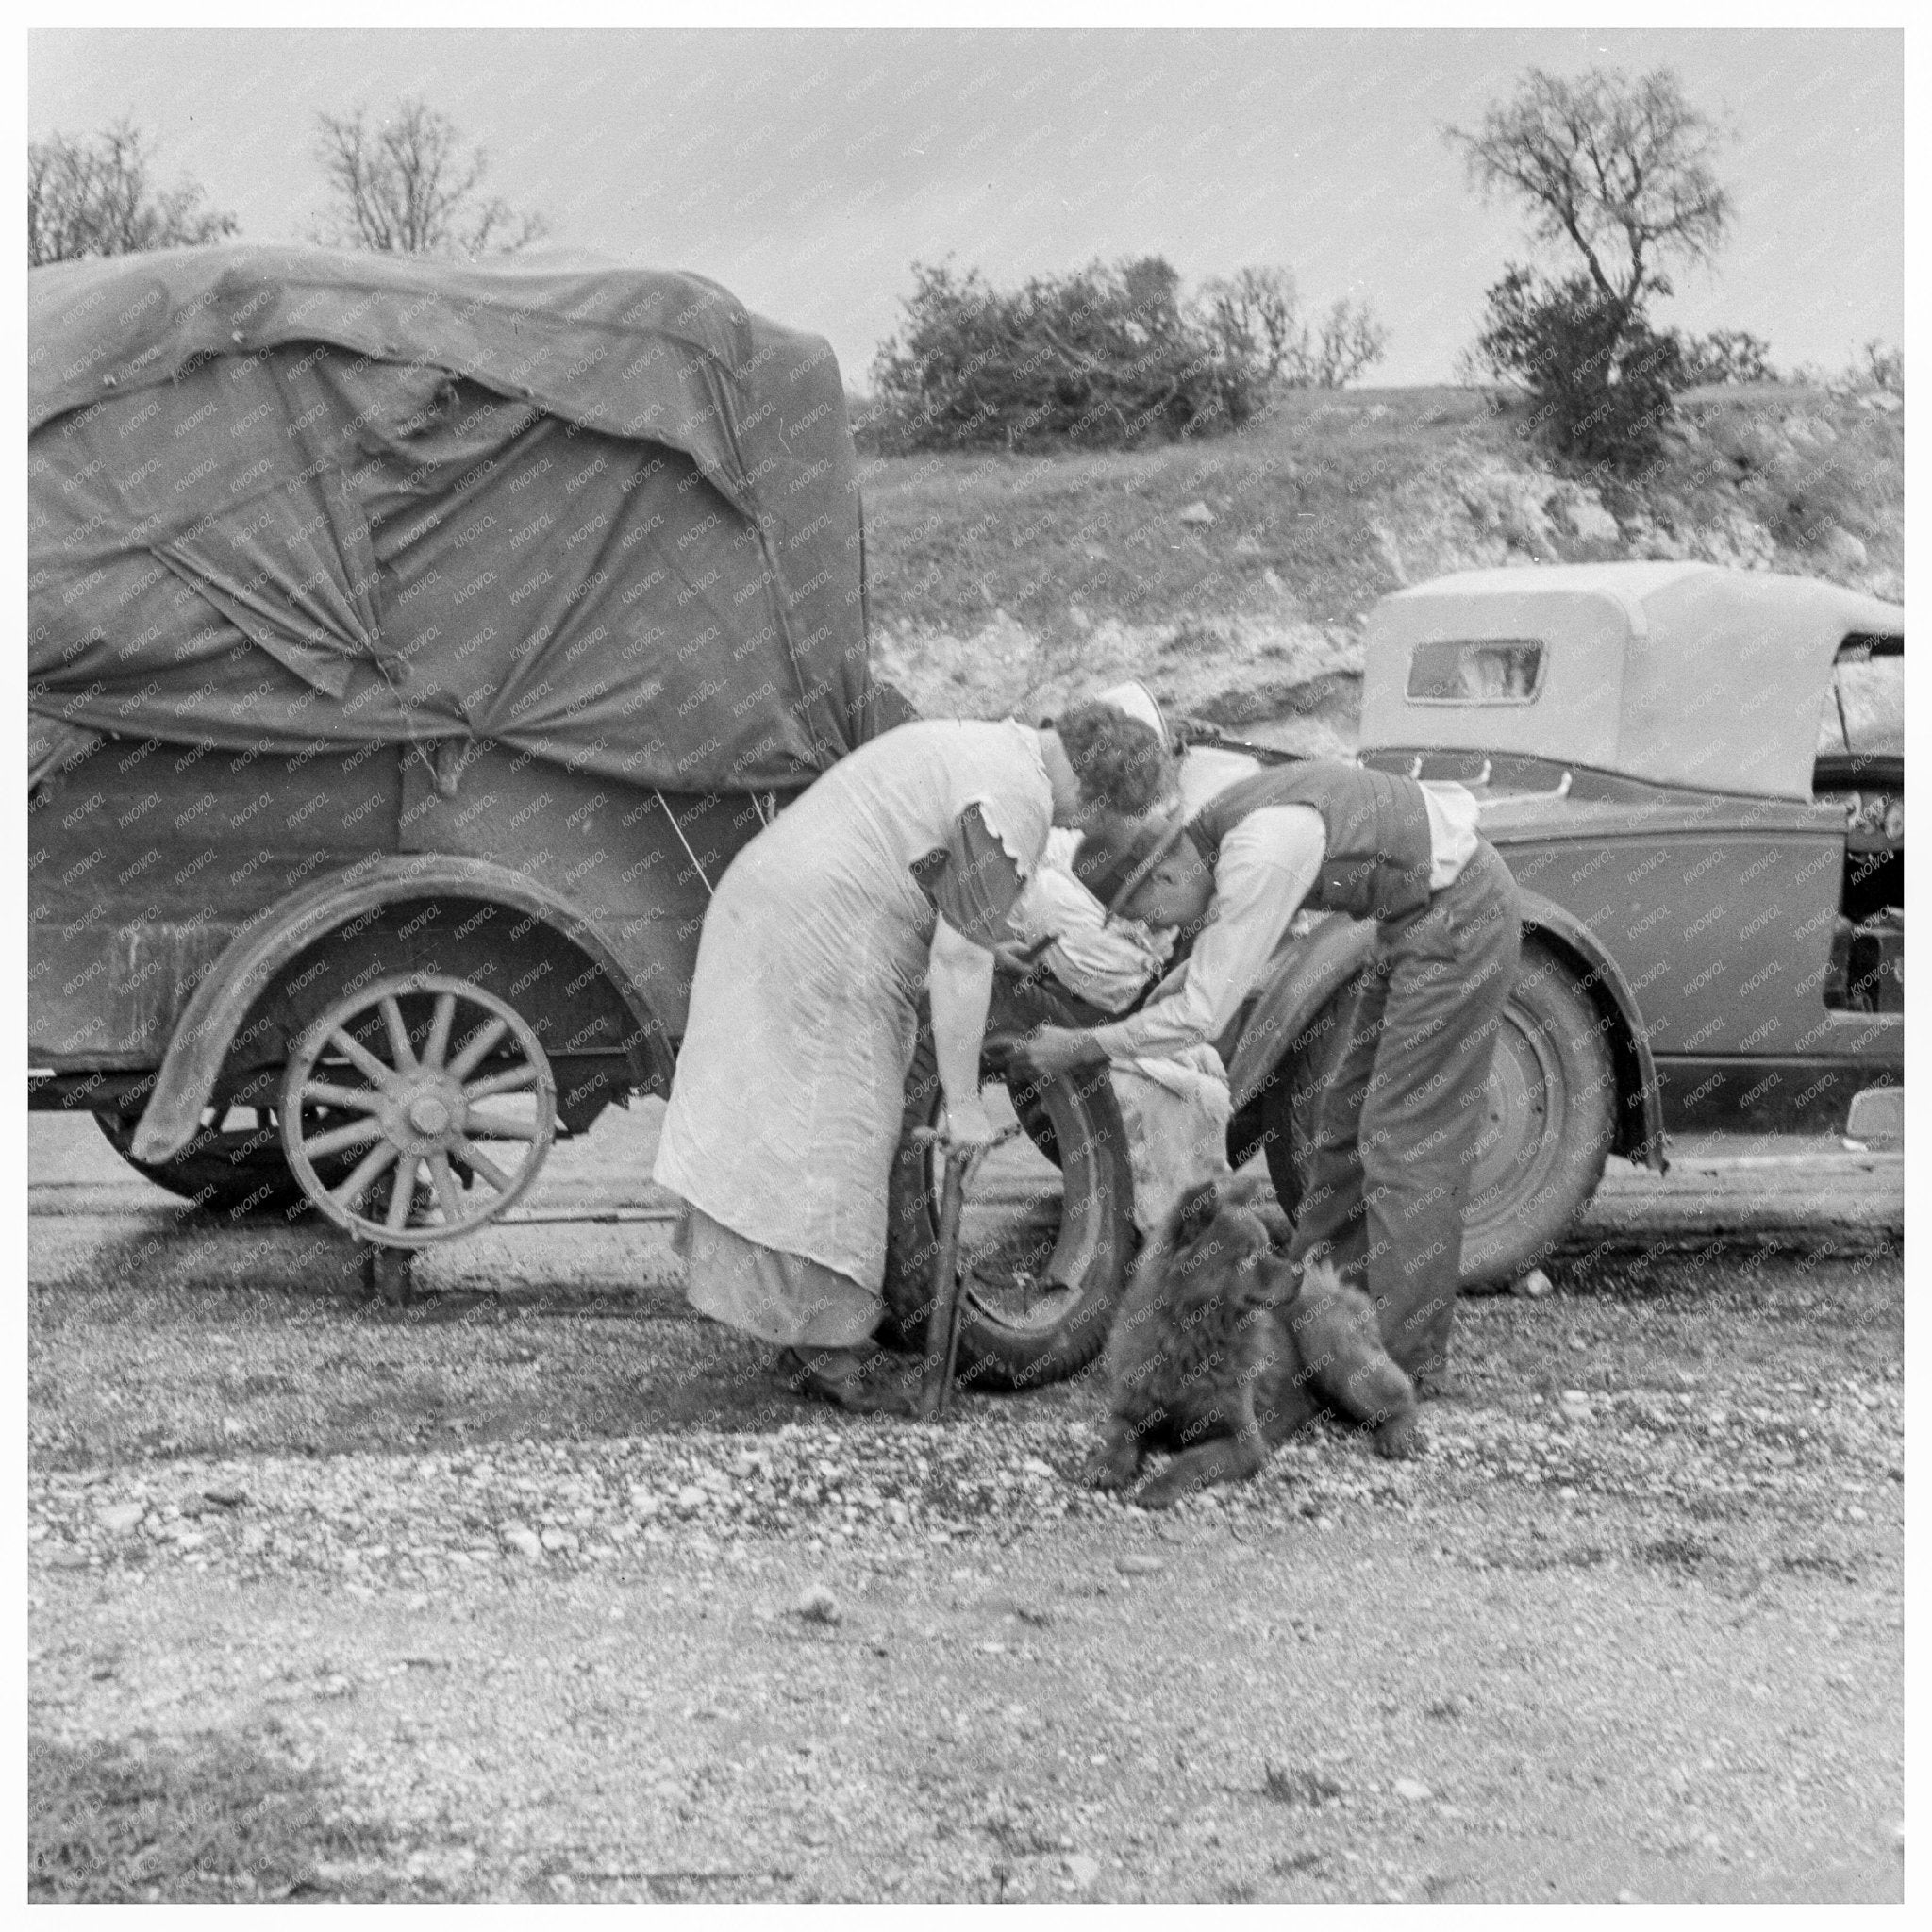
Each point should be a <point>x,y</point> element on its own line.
<point>1549,1118</point>
<point>1075,1122</point>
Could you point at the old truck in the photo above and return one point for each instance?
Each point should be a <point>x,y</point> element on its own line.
<point>410,647</point>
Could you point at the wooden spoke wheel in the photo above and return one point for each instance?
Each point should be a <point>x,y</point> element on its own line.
<point>442,1091</point>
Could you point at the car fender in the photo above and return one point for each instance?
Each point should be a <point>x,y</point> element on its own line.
<point>1640,1111</point>
<point>1310,972</point>
<point>247,965</point>
<point>1317,968</point>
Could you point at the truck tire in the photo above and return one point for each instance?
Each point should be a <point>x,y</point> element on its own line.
<point>1040,1294</point>
<point>1551,1106</point>
<point>227,1169</point>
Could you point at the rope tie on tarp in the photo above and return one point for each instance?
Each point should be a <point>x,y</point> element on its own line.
<point>710,890</point>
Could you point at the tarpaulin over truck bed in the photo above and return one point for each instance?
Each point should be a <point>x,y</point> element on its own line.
<point>281,496</point>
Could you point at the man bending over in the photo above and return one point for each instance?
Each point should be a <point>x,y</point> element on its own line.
<point>1396,1130</point>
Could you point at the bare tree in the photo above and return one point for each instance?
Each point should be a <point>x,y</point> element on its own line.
<point>1256,314</point>
<point>1620,169</point>
<point>1351,341</point>
<point>403,187</point>
<point>95,198</point>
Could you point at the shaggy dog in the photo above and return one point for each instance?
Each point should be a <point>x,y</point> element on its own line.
<point>1214,1355</point>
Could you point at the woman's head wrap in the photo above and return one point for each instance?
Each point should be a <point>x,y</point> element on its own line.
<point>1136,700</point>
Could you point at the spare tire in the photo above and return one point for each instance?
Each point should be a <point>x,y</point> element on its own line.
<point>1045,1254</point>
<point>1550,1117</point>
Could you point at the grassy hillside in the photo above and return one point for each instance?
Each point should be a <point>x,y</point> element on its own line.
<point>1233,574</point>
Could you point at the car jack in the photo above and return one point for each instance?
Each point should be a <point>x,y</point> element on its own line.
<point>944,1311</point>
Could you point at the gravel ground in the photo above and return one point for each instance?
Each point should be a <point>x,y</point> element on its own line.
<point>568,1597</point>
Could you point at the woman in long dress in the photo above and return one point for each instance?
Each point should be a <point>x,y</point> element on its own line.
<point>894,871</point>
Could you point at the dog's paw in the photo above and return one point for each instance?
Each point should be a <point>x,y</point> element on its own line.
<point>1401,1439</point>
<point>1164,1492</point>
<point>1280,1228</point>
<point>1110,1467</point>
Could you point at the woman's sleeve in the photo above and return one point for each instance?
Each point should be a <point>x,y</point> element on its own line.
<point>977,885</point>
<point>1107,964</point>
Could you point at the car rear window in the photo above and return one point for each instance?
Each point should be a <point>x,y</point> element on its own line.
<point>1476,670</point>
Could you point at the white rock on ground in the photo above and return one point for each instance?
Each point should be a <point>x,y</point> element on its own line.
<point>818,1606</point>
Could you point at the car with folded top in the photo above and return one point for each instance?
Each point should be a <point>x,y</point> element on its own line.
<point>1696,775</point>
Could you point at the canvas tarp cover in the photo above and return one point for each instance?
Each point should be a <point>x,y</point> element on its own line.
<point>286,497</point>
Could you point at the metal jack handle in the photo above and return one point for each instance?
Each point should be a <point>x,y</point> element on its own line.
<point>944,1311</point>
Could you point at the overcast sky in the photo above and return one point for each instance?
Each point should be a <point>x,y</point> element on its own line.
<point>806,171</point>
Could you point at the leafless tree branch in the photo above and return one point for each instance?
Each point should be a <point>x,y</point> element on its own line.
<point>96,199</point>
<point>403,187</point>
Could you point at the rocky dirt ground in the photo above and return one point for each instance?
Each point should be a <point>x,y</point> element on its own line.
<point>540,1590</point>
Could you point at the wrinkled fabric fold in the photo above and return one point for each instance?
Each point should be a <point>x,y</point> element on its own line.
<point>282,497</point>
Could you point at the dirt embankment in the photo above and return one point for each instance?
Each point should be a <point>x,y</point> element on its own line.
<point>1234,575</point>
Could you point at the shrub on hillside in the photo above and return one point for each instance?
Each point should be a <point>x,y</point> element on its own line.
<point>1884,366</point>
<point>1727,355</point>
<point>1602,380</point>
<point>1104,357</point>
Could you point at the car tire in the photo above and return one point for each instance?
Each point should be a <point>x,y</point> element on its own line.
<point>1075,1122</point>
<point>1551,1104</point>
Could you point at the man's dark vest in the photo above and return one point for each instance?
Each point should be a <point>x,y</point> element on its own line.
<point>1376,824</point>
